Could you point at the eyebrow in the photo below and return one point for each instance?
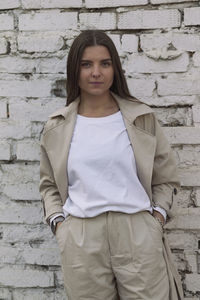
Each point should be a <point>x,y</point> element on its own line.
<point>87,60</point>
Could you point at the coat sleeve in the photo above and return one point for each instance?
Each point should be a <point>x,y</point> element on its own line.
<point>51,199</point>
<point>165,182</point>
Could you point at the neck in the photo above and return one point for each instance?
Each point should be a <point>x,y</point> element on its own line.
<point>97,105</point>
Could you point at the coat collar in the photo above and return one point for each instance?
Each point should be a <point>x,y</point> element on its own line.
<point>130,109</point>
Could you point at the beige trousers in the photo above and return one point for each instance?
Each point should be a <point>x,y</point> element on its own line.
<point>113,256</point>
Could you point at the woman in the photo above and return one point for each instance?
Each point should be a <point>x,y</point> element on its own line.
<point>107,181</point>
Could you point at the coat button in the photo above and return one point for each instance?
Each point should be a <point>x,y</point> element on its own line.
<point>175,191</point>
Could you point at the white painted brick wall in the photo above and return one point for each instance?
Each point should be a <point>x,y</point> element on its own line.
<point>40,42</point>
<point>148,19</point>
<point>104,21</point>
<point>192,16</point>
<point>5,152</point>
<point>113,3</point>
<point>29,4</point>
<point>140,63</point>
<point>179,86</point>
<point>19,277</point>
<point>48,20</point>
<point>3,46</point>
<point>3,109</point>
<point>130,43</point>
<point>159,46</point>
<point>20,88</point>
<point>7,4</point>
<point>185,42</point>
<point>6,22</point>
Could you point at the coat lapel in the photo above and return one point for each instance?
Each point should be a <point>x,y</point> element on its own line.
<point>143,143</point>
<point>59,145</point>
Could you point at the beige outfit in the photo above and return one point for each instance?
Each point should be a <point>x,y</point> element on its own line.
<point>154,160</point>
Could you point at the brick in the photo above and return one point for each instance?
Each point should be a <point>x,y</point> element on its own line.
<point>174,116</point>
<point>113,3</point>
<point>20,213</point>
<point>179,86</point>
<point>20,88</point>
<point>187,219</point>
<point>189,176</point>
<point>59,277</point>
<point>12,64</point>
<point>104,21</point>
<point>3,46</point>
<point>140,63</point>
<point>191,258</point>
<point>15,130</point>
<point>28,234</point>
<point>196,113</point>
<point>182,240</point>
<point>8,255</point>
<point>181,41</point>
<point>196,59</point>
<point>51,65</point>
<point>22,174</point>
<point>188,156</point>
<point>29,4</point>
<point>34,110</point>
<point>154,41</point>
<point>116,40</point>
<point>169,100</point>
<point>192,282</point>
<point>3,109</point>
<point>5,294</point>
<point>130,43</point>
<point>61,3</point>
<point>8,4</point>
<point>186,42</point>
<point>19,277</point>
<point>183,198</point>
<point>136,87</point>
<point>192,16</point>
<point>169,1</point>
<point>141,19</point>
<point>197,197</point>
<point>20,191</point>
<point>40,42</point>
<point>28,150</point>
<point>43,256</point>
<point>182,135</point>
<point>34,294</point>
<point>6,22</point>
<point>5,152</point>
<point>36,129</point>
<point>17,65</point>
<point>51,20</point>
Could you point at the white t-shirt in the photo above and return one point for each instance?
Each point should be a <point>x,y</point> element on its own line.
<point>102,170</point>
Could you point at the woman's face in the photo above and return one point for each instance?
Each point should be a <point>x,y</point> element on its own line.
<point>96,71</point>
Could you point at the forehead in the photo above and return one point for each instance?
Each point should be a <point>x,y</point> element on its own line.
<point>96,52</point>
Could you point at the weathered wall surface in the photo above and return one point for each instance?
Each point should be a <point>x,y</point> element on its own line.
<point>159,45</point>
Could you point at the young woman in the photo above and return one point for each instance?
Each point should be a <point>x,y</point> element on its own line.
<point>108,179</point>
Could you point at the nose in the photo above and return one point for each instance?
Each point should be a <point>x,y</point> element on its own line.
<point>96,72</point>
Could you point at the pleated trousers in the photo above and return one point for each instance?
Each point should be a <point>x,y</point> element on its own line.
<point>113,256</point>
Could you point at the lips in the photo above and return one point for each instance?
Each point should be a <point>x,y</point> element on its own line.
<point>96,82</point>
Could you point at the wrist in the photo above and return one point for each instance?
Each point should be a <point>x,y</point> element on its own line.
<point>159,217</point>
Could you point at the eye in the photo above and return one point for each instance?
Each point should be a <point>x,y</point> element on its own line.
<point>106,63</point>
<point>85,64</point>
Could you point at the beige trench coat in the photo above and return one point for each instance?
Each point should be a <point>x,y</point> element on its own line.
<point>155,163</point>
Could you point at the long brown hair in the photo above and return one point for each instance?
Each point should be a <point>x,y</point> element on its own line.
<point>86,39</point>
